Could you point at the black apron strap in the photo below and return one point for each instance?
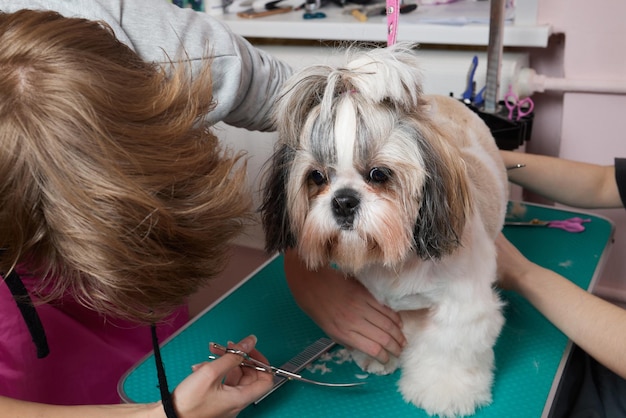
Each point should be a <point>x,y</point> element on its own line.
<point>166,396</point>
<point>29,313</point>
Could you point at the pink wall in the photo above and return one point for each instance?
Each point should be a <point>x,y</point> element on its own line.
<point>581,126</point>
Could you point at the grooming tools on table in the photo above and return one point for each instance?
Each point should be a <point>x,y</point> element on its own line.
<point>469,96</point>
<point>569,225</point>
<point>254,14</point>
<point>255,8</point>
<point>363,12</point>
<point>470,84</point>
<point>289,371</point>
<point>313,15</point>
<point>272,5</point>
<point>312,9</point>
<point>511,124</point>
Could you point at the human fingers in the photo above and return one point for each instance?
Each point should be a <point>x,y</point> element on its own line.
<point>345,309</point>
<point>363,323</point>
<point>250,382</point>
<point>230,368</point>
<point>245,375</point>
<point>203,394</point>
<point>375,334</point>
<point>250,375</point>
<point>356,319</point>
<point>386,329</point>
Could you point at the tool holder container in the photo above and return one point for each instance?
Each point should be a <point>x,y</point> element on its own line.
<point>509,134</point>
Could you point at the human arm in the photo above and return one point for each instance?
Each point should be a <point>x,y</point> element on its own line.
<point>345,309</point>
<point>594,324</point>
<point>245,79</point>
<point>568,182</point>
<point>217,389</point>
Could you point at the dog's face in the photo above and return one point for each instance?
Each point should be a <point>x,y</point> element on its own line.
<point>360,176</point>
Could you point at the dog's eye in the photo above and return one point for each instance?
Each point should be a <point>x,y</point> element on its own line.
<point>317,177</point>
<point>379,174</point>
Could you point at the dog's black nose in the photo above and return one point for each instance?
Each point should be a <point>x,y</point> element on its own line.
<point>345,205</point>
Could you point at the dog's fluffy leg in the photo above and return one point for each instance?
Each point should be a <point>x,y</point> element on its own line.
<point>447,366</point>
<point>449,378</point>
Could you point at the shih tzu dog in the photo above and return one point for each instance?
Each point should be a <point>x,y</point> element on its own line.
<point>406,192</point>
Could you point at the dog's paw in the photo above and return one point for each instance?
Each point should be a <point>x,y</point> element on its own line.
<point>456,392</point>
<point>371,365</point>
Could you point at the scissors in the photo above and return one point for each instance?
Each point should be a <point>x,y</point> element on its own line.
<point>517,108</point>
<point>248,361</point>
<point>569,225</point>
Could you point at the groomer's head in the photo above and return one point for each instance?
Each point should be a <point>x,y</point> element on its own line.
<point>112,187</point>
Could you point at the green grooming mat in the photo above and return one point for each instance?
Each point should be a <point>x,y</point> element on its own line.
<point>530,351</point>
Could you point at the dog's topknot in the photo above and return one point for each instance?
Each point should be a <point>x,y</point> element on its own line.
<point>379,75</point>
<point>386,74</point>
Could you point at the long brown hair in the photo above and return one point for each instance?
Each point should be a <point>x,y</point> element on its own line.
<point>112,187</point>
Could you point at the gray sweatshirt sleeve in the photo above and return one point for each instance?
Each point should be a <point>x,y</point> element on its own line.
<point>246,80</point>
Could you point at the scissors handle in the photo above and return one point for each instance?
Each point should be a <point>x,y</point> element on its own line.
<point>569,225</point>
<point>518,108</point>
<point>525,107</point>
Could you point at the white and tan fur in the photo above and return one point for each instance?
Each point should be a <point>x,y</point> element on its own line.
<point>406,192</point>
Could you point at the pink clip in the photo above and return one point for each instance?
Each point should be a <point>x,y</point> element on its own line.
<point>393,11</point>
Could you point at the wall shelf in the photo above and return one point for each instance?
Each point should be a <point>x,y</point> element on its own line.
<point>342,27</point>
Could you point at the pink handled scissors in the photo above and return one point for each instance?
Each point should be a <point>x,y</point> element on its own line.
<point>569,225</point>
<point>517,108</point>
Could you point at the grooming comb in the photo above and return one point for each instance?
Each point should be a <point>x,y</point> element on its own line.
<point>300,361</point>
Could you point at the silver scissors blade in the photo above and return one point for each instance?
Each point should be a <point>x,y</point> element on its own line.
<point>248,361</point>
<point>570,225</point>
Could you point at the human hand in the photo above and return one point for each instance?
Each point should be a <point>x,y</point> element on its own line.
<point>345,310</point>
<point>221,388</point>
<point>512,264</point>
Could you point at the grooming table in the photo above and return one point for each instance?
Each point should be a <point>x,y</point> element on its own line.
<point>530,352</point>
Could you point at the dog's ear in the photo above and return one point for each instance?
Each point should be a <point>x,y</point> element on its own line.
<point>274,212</point>
<point>445,201</point>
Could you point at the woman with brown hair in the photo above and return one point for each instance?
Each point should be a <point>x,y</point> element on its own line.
<point>116,200</point>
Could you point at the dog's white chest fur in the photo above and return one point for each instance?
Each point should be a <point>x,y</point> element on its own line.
<point>418,284</point>
<point>413,287</point>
